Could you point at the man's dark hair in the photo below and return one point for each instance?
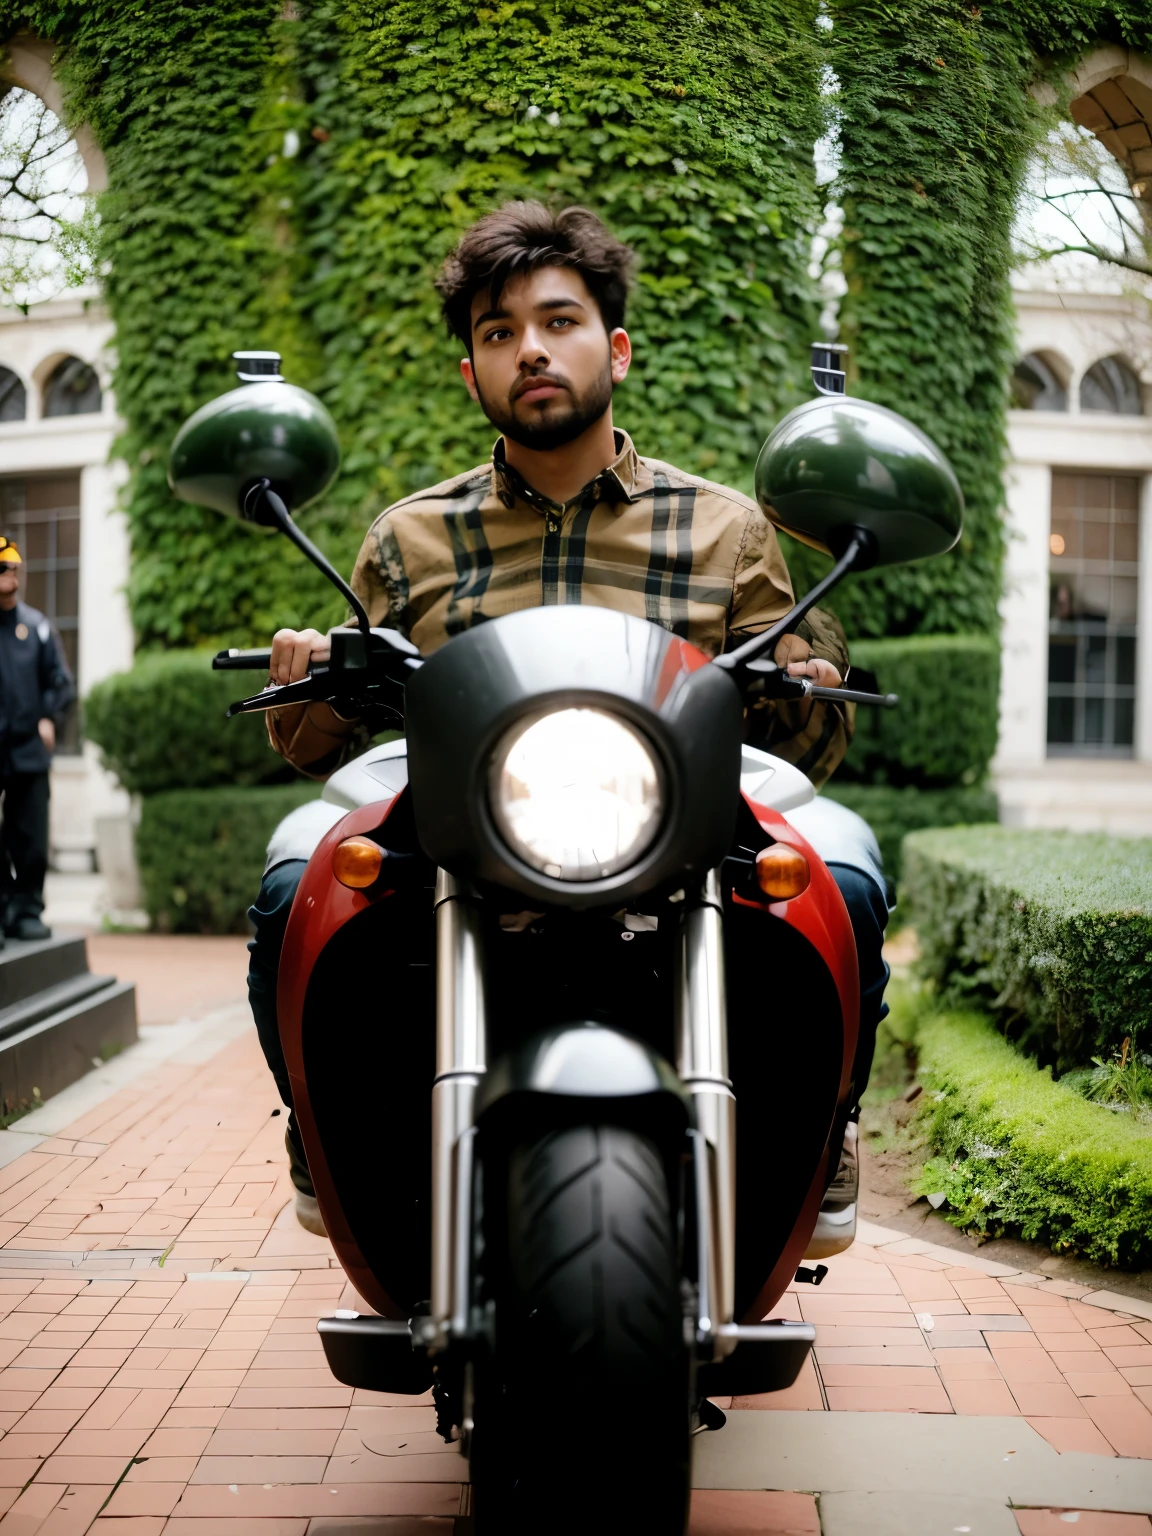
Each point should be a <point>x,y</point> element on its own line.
<point>521,237</point>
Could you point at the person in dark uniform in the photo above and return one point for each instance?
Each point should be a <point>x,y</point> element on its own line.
<point>35,690</point>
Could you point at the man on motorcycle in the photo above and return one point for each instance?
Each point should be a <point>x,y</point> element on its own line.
<point>566,512</point>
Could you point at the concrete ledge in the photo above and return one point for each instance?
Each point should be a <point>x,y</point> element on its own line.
<point>984,1461</point>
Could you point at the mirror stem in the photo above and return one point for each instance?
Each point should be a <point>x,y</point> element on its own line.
<point>281,518</point>
<point>858,556</point>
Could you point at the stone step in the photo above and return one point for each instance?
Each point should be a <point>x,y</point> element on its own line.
<point>28,967</point>
<point>57,998</point>
<point>57,1048</point>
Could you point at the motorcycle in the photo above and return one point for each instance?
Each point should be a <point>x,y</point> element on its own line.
<point>543,944</point>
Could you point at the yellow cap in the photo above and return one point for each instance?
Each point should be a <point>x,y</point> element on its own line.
<point>9,554</point>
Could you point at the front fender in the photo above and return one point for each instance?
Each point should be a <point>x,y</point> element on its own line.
<point>601,1072</point>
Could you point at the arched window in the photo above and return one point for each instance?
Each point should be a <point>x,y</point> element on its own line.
<point>1035,386</point>
<point>13,398</point>
<point>1110,385</point>
<point>72,389</point>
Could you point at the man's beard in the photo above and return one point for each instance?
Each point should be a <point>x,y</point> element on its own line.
<point>561,424</point>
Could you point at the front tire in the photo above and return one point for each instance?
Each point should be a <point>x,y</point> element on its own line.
<point>582,1420</point>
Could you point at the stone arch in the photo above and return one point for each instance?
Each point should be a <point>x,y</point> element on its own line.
<point>27,62</point>
<point>1111,91</point>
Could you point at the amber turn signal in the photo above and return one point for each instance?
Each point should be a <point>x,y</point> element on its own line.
<point>357,862</point>
<point>782,872</point>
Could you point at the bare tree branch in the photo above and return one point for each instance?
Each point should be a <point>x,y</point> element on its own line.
<point>1080,203</point>
<point>1111,257</point>
<point>46,228</point>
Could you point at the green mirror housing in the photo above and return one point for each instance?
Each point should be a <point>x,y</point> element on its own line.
<point>264,431</point>
<point>837,463</point>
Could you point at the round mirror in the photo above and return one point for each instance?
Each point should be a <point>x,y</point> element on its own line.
<point>264,431</point>
<point>838,463</point>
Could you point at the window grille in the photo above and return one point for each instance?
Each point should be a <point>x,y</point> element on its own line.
<point>1093,573</point>
<point>72,390</point>
<point>13,397</point>
<point>1035,387</point>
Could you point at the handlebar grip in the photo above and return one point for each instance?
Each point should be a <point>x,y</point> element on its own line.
<point>242,661</point>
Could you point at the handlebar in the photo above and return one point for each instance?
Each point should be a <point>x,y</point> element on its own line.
<point>242,661</point>
<point>365,675</point>
<point>357,665</point>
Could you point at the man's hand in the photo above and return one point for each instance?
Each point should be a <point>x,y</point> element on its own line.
<point>47,729</point>
<point>294,651</point>
<point>797,655</point>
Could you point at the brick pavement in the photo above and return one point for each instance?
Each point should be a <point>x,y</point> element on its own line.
<point>192,1398</point>
<point>177,975</point>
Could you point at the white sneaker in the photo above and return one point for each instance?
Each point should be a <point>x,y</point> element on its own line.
<point>835,1227</point>
<point>308,1214</point>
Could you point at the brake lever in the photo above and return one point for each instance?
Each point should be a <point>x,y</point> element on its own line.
<point>850,695</point>
<point>279,695</point>
<point>770,681</point>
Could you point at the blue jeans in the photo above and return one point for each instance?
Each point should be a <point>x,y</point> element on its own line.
<point>269,916</point>
<point>867,910</point>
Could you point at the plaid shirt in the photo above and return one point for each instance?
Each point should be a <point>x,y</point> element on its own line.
<point>642,537</point>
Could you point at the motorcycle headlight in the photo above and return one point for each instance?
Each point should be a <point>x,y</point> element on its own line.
<point>576,793</point>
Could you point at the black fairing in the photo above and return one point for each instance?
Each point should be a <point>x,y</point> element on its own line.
<point>369,1039</point>
<point>466,696</point>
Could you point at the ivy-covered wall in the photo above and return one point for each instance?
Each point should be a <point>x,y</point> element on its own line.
<point>289,176</point>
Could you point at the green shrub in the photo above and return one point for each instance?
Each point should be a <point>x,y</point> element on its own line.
<point>944,730</point>
<point>892,812</point>
<point>1051,930</point>
<point>1020,1153</point>
<point>201,853</point>
<point>161,726</point>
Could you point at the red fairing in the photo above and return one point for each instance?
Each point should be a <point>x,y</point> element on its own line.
<point>679,659</point>
<point>322,906</point>
<point>821,916</point>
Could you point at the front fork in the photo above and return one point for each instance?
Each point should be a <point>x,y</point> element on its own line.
<point>702,1062</point>
<point>461,1060</point>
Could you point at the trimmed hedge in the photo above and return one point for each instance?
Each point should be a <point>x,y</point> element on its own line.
<point>1052,931</point>
<point>201,853</point>
<point>892,813</point>
<point>944,730</point>
<point>1020,1153</point>
<point>161,726</point>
